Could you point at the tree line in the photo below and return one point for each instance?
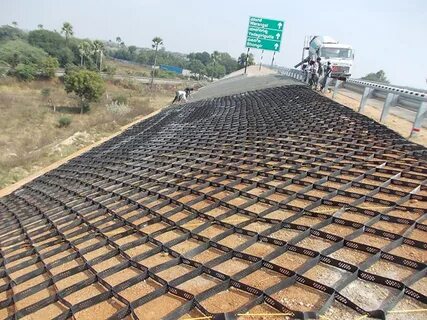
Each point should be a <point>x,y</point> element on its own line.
<point>202,64</point>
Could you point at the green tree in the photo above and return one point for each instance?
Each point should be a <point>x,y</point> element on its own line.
<point>98,48</point>
<point>15,24</point>
<point>26,72</point>
<point>241,61</point>
<point>197,67</point>
<point>215,70</point>
<point>67,30</point>
<point>10,33</point>
<point>132,51</point>
<point>40,26</point>
<point>85,51</point>
<point>18,51</point>
<point>377,77</point>
<point>87,85</point>
<point>49,67</point>
<point>204,57</point>
<point>214,58</point>
<point>156,42</point>
<point>53,44</point>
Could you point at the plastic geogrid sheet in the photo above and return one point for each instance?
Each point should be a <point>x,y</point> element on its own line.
<point>277,201</point>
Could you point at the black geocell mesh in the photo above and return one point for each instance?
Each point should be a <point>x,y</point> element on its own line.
<point>198,173</point>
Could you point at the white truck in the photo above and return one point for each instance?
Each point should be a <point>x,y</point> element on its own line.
<point>340,55</point>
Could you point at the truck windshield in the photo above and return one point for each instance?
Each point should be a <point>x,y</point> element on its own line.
<point>335,53</point>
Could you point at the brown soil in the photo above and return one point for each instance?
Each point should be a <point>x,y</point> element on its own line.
<point>139,290</point>
<point>350,256</point>
<point>207,255</point>
<point>314,243</point>
<point>367,295</point>
<point>260,249</point>
<point>300,297</point>
<point>226,301</point>
<point>262,312</point>
<point>290,260</point>
<point>323,273</point>
<point>159,307</point>
<point>280,214</point>
<point>262,279</point>
<point>409,252</point>
<point>199,284</point>
<point>232,266</point>
<point>372,240</point>
<point>390,270</point>
<point>285,234</point>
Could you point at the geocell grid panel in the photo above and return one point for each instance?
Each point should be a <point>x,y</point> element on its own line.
<point>272,201</point>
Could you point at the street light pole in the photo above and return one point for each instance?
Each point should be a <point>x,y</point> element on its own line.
<point>260,63</point>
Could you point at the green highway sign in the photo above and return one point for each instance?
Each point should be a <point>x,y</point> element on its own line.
<point>264,34</point>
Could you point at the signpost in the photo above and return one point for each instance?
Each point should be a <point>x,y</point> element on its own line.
<point>264,34</point>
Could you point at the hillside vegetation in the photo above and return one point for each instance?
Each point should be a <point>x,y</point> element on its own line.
<point>44,117</point>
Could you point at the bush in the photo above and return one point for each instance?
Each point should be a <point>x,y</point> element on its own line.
<point>48,67</point>
<point>17,51</point>
<point>87,85</point>
<point>120,99</point>
<point>118,108</point>
<point>45,92</point>
<point>25,72</point>
<point>64,121</point>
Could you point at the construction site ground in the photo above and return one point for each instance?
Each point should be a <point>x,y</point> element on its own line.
<point>270,204</point>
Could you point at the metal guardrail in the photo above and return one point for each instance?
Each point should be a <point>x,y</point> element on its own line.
<point>393,95</point>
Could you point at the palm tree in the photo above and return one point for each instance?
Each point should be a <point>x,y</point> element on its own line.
<point>214,57</point>
<point>40,26</point>
<point>98,48</point>
<point>15,24</point>
<point>85,50</point>
<point>118,40</point>
<point>67,29</point>
<point>157,41</point>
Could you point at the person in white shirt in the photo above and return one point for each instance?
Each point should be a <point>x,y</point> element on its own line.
<point>180,95</point>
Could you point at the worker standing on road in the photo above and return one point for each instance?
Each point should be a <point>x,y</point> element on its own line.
<point>304,69</point>
<point>313,69</point>
<point>319,72</point>
<point>327,73</point>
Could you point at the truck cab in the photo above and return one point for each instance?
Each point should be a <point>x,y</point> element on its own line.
<point>340,56</point>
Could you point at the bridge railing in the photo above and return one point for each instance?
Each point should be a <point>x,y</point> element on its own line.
<point>392,95</point>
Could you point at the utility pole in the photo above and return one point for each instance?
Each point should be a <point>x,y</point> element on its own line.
<point>247,57</point>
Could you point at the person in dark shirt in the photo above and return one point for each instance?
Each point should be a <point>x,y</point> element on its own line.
<point>327,73</point>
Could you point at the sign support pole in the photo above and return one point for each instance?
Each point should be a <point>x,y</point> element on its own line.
<point>260,63</point>
<point>272,60</point>
<point>247,58</point>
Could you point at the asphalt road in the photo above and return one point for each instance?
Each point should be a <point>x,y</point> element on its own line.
<point>241,83</point>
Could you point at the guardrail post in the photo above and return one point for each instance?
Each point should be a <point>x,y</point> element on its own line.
<point>366,95</point>
<point>389,102</point>
<point>422,111</point>
<point>337,84</point>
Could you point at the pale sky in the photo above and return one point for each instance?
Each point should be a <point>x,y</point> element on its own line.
<point>385,34</point>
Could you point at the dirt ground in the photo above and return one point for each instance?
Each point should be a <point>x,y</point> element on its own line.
<point>30,136</point>
<point>398,124</point>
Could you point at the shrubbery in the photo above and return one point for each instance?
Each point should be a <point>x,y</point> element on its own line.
<point>120,99</point>
<point>64,121</point>
<point>25,72</point>
<point>87,85</point>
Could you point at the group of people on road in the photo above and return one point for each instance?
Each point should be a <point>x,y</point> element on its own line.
<point>314,71</point>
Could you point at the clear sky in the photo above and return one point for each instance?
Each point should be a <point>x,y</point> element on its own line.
<point>386,34</point>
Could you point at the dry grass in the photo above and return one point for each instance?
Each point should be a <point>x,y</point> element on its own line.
<point>30,138</point>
